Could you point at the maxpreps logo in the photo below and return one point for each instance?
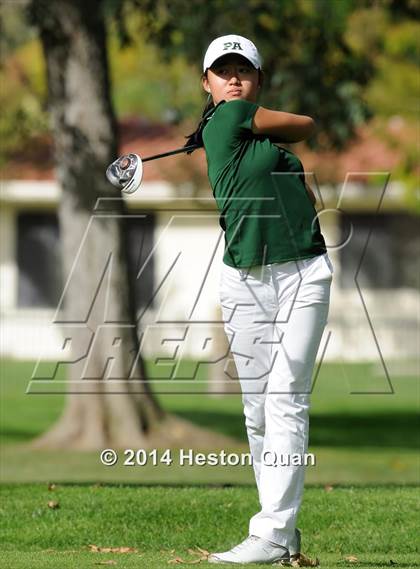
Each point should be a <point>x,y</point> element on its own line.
<point>232,45</point>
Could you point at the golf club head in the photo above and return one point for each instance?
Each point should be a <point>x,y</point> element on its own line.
<point>126,173</point>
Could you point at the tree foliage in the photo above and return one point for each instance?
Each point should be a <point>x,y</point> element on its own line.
<point>341,62</point>
<point>22,81</point>
<point>309,65</point>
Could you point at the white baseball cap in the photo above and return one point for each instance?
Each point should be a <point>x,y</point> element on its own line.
<point>231,44</point>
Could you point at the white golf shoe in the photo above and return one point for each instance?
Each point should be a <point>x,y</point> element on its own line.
<point>253,550</point>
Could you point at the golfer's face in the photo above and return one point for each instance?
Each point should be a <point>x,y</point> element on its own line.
<point>232,77</point>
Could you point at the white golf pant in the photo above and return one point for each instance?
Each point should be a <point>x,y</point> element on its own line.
<point>274,316</point>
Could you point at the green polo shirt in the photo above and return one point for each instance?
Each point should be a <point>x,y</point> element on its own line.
<point>266,217</point>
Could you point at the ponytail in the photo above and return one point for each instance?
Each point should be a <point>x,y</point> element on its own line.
<point>196,137</point>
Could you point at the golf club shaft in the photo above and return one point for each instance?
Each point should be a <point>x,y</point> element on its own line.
<point>171,152</point>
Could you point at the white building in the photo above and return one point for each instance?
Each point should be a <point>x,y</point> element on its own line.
<point>182,241</point>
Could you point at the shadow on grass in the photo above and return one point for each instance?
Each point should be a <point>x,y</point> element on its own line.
<point>17,435</point>
<point>388,430</point>
<point>392,430</point>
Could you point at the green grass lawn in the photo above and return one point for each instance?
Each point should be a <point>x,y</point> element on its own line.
<point>360,500</point>
<point>357,438</point>
<point>375,524</point>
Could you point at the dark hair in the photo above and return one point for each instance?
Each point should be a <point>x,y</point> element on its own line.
<point>196,136</point>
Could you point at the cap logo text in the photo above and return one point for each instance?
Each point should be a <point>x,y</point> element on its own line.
<point>232,45</point>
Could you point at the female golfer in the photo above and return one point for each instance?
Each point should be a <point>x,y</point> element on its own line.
<point>275,284</point>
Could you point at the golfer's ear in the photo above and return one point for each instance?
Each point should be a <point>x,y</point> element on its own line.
<point>205,83</point>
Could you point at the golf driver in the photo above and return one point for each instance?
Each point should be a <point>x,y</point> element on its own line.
<point>126,172</point>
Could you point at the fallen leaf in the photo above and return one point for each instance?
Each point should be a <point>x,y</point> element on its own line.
<point>51,486</point>
<point>97,549</point>
<point>53,505</point>
<point>198,551</point>
<point>127,550</point>
<point>203,551</point>
<point>302,560</point>
<point>351,559</point>
<point>192,562</point>
<point>328,488</point>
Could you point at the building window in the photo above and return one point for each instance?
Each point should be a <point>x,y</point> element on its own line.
<point>38,259</point>
<point>40,282</point>
<point>391,257</point>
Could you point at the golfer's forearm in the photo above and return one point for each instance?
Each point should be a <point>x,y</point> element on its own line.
<point>286,127</point>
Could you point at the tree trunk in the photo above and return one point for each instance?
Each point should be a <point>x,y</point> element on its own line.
<point>103,408</point>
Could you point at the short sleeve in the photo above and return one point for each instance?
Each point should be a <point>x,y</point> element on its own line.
<point>236,117</point>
